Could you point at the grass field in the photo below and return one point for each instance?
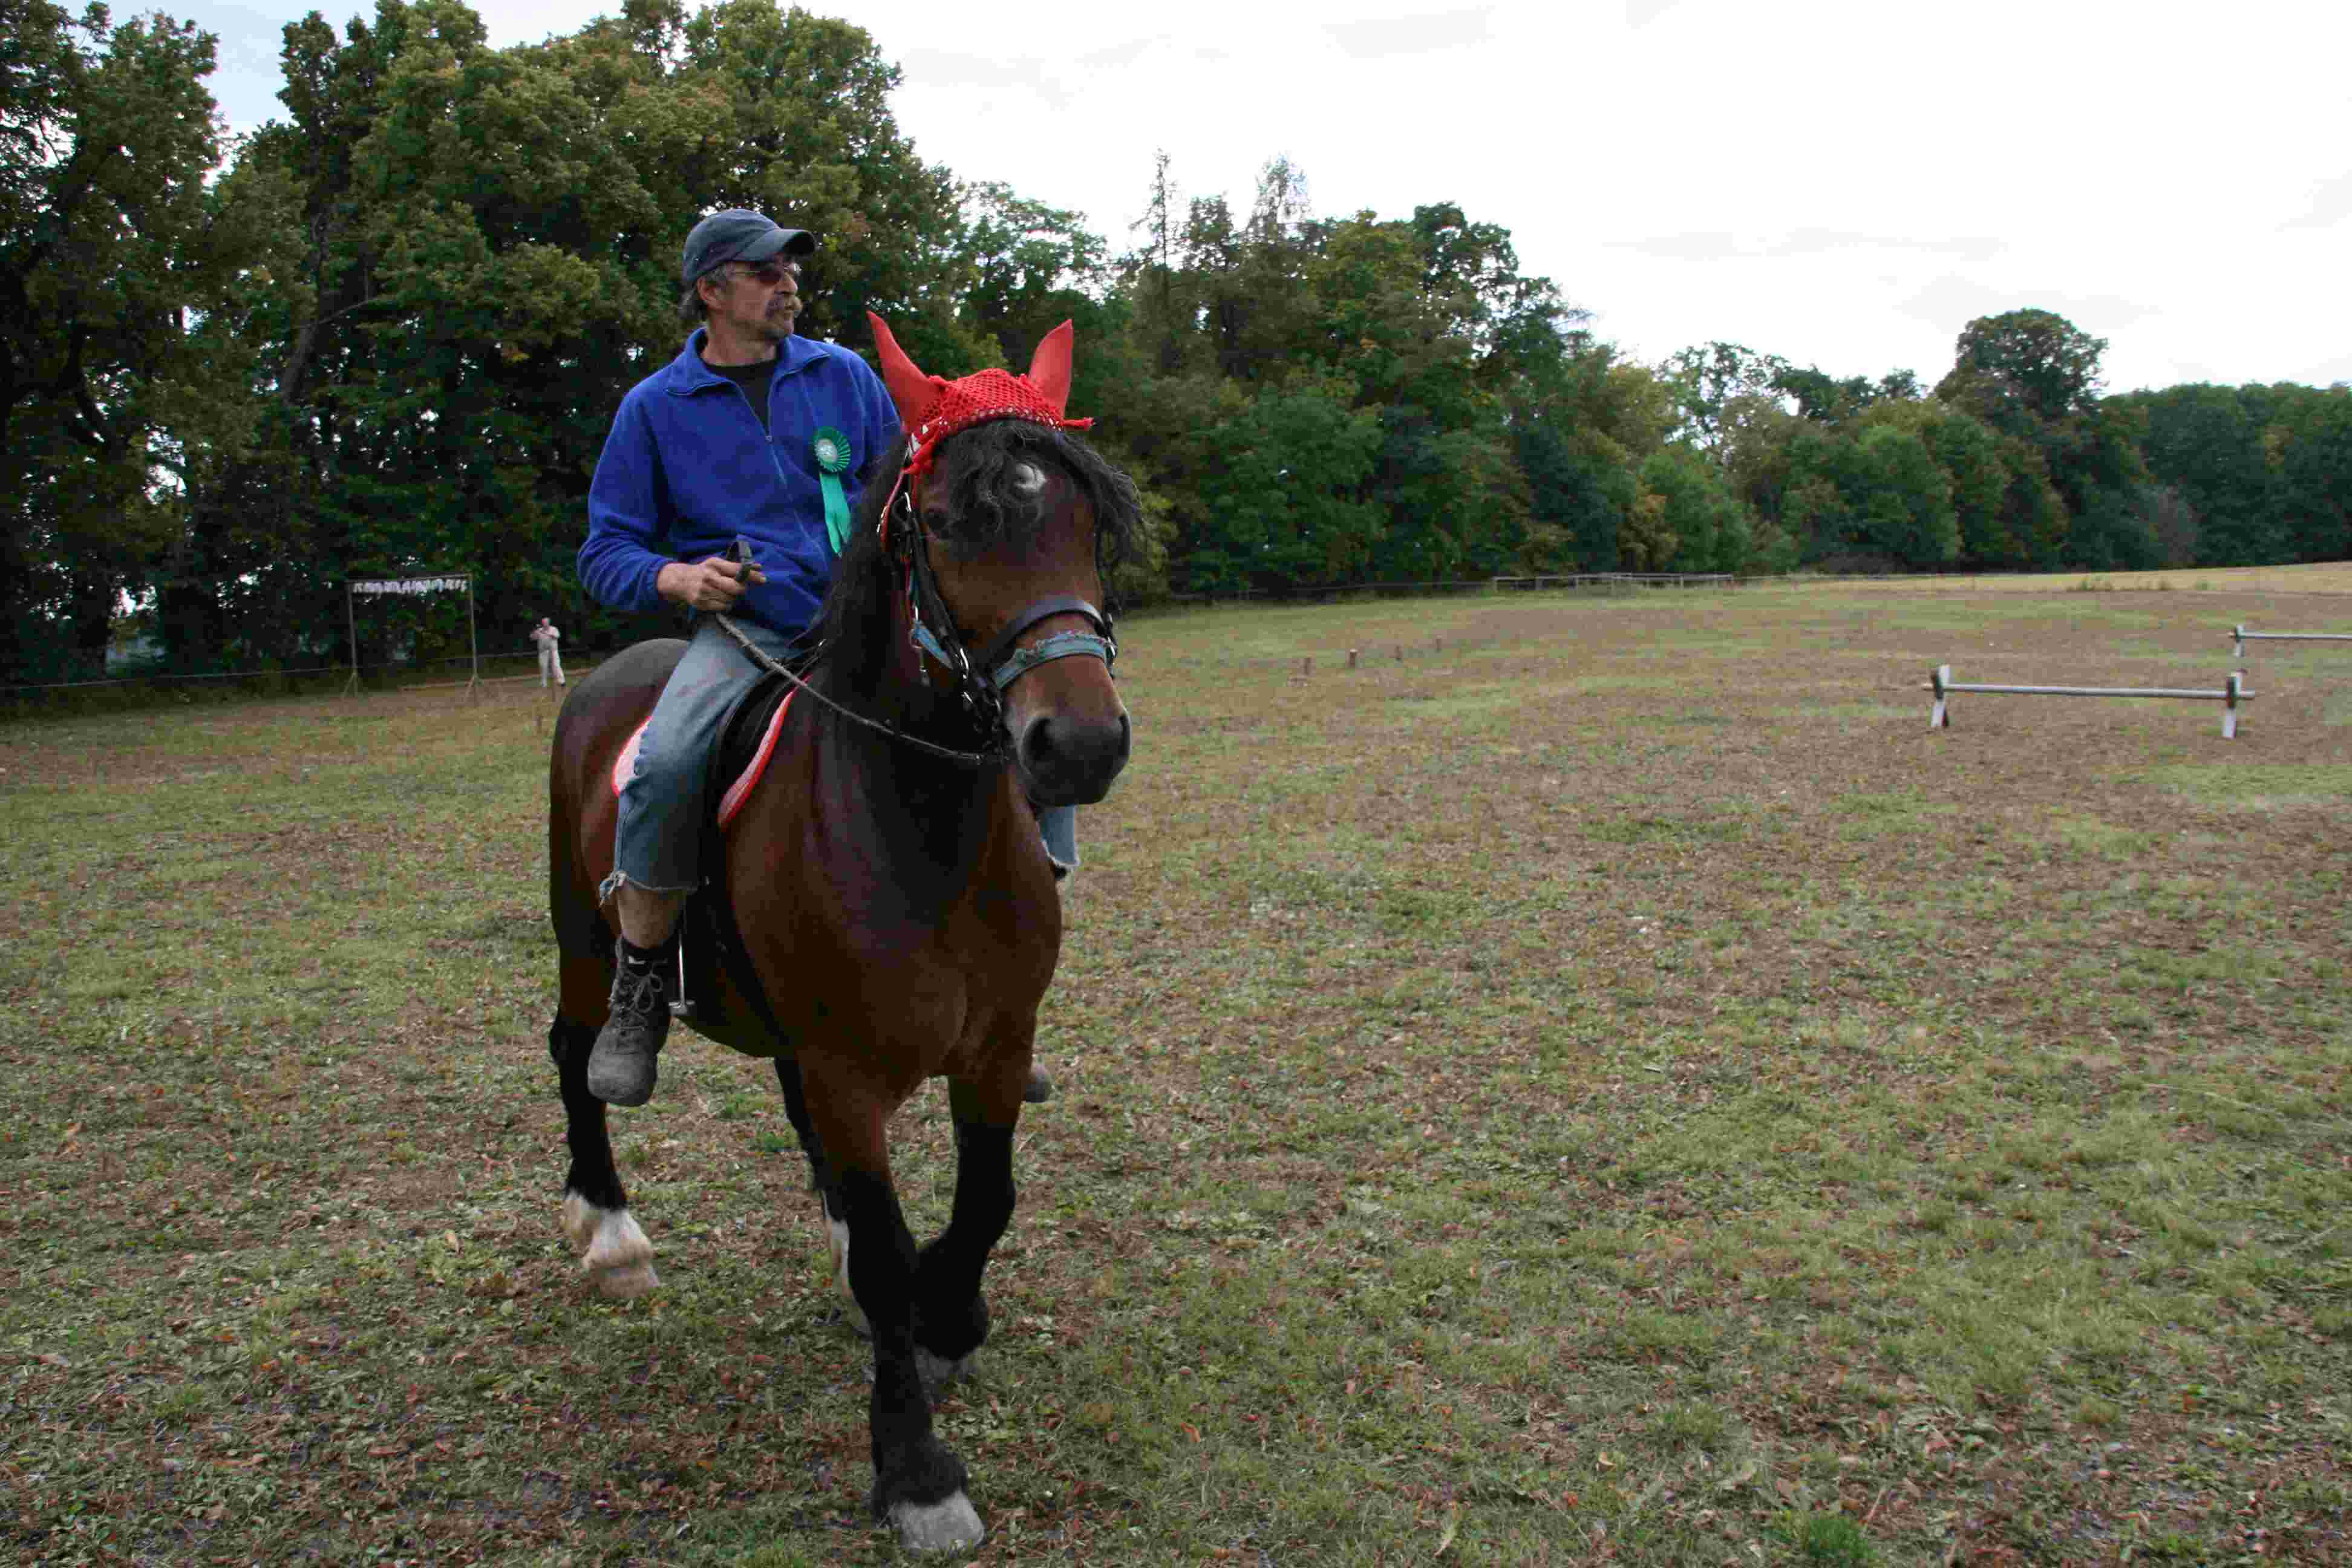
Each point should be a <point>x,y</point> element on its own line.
<point>1600,1081</point>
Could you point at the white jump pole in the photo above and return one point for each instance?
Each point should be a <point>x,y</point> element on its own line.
<point>2240,637</point>
<point>2231,693</point>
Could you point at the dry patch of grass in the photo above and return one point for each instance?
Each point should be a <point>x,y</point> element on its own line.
<point>1608,1084</point>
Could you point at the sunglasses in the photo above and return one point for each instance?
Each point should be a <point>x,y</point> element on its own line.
<point>768,274</point>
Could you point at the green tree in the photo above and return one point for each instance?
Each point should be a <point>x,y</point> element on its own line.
<point>1709,527</point>
<point>115,255</point>
<point>1878,498</point>
<point>2207,443</point>
<point>1280,493</point>
<point>1831,401</point>
<point>2308,442</point>
<point>492,262</point>
<point>2033,377</point>
<point>2034,363</point>
<point>1032,267</point>
<point>1709,376</point>
<point>1976,472</point>
<point>1905,503</point>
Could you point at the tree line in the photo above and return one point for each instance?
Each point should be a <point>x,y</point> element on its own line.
<point>387,332</point>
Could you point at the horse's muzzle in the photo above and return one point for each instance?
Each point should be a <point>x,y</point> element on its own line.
<point>1069,761</point>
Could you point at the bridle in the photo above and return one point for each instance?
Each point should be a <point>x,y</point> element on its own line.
<point>980,683</point>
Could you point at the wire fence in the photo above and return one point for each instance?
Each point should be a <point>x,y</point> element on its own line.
<point>1324,593</point>
<point>267,680</point>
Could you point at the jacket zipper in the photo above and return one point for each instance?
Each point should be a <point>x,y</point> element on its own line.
<point>766,439</point>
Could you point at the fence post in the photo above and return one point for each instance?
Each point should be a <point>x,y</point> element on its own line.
<point>1939,716</point>
<point>1351,659</point>
<point>1307,666</point>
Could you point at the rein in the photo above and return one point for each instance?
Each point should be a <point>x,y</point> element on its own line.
<point>760,657</point>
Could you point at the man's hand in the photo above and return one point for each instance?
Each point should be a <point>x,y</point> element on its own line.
<point>712,584</point>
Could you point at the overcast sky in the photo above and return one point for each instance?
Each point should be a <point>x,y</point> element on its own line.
<point>1841,184</point>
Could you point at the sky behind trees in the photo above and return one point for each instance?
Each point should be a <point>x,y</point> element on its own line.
<point>390,331</point>
<point>1845,184</point>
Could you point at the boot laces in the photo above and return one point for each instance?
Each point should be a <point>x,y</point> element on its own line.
<point>639,993</point>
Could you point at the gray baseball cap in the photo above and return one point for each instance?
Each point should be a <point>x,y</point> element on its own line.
<point>737,234</point>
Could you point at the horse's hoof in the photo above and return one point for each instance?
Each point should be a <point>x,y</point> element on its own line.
<point>625,1284</point>
<point>1038,1090</point>
<point>952,1524</point>
<point>613,1251</point>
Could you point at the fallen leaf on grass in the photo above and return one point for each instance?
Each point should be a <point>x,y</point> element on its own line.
<point>1445,1535</point>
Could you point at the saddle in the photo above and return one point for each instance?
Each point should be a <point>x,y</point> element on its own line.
<point>747,739</point>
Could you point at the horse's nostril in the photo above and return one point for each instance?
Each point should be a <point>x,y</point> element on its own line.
<point>1052,746</point>
<point>1044,745</point>
<point>1037,745</point>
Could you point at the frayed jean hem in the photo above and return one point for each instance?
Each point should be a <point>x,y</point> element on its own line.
<point>619,879</point>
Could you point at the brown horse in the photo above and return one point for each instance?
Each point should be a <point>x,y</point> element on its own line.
<point>886,913</point>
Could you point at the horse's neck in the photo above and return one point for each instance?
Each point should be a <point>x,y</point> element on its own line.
<point>924,814</point>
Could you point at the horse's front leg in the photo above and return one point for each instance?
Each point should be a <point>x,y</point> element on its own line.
<point>950,1313</point>
<point>613,1250</point>
<point>918,1483</point>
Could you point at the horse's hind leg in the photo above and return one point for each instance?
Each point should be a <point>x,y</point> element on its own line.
<point>950,1313</point>
<point>836,1228</point>
<point>596,1219</point>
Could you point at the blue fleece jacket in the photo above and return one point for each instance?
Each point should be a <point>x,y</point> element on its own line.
<point>686,470</point>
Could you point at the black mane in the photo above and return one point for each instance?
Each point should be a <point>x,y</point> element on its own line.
<point>988,512</point>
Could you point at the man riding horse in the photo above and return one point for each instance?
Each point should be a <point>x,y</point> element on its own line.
<point>750,434</point>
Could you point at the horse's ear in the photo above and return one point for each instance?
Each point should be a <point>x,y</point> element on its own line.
<point>915,393</point>
<point>1049,368</point>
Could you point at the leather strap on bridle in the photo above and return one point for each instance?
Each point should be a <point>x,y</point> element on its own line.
<point>980,683</point>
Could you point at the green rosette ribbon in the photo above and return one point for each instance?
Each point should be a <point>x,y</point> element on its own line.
<point>830,447</point>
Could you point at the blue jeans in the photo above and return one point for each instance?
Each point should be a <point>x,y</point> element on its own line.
<point>657,844</point>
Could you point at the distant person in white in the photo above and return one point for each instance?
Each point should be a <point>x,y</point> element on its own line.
<point>551,662</point>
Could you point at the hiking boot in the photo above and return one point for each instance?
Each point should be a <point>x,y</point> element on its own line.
<point>621,1068</point>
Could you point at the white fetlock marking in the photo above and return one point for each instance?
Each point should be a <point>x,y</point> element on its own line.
<point>613,1251</point>
<point>952,1524</point>
<point>837,1232</point>
<point>579,1222</point>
